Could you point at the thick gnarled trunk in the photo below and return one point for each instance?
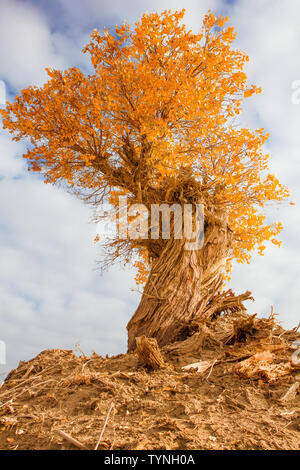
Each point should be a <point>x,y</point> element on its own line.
<point>181,286</point>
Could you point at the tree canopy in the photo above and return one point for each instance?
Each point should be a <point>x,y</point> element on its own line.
<point>156,120</point>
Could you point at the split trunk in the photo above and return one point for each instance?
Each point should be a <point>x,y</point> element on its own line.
<point>182,286</point>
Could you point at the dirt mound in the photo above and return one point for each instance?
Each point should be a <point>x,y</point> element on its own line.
<point>243,395</point>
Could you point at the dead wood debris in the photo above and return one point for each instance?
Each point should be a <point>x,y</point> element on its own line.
<point>290,395</point>
<point>149,353</point>
<point>227,303</point>
<point>252,381</point>
<point>260,347</point>
<point>262,366</point>
<point>200,366</point>
<point>71,439</point>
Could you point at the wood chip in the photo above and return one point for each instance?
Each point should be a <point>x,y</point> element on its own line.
<point>290,395</point>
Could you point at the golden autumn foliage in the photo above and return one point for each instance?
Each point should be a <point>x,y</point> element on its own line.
<point>160,99</point>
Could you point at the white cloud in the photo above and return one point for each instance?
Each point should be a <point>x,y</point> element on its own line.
<point>50,294</point>
<point>268,31</point>
<point>26,47</point>
<point>10,162</point>
<point>131,10</point>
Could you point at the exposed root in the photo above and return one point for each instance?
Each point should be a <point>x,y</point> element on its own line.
<point>227,303</point>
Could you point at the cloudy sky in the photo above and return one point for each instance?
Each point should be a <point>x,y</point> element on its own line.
<point>51,294</point>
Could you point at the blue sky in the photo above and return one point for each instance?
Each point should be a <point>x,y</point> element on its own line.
<point>51,294</point>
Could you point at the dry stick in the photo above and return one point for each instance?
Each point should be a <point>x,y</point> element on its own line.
<point>27,372</point>
<point>291,393</point>
<point>71,439</point>
<point>216,361</point>
<point>26,390</point>
<point>296,328</point>
<point>104,425</point>
<point>114,428</point>
<point>7,392</point>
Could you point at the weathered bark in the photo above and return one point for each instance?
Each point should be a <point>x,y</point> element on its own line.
<point>149,353</point>
<point>182,286</point>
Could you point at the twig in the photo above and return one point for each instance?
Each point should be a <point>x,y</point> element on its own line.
<point>104,425</point>
<point>26,390</point>
<point>86,363</point>
<point>291,393</point>
<point>71,439</point>
<point>7,392</point>
<point>114,431</point>
<point>27,372</point>
<point>213,364</point>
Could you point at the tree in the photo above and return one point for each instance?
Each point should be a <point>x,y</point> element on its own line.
<point>156,122</point>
